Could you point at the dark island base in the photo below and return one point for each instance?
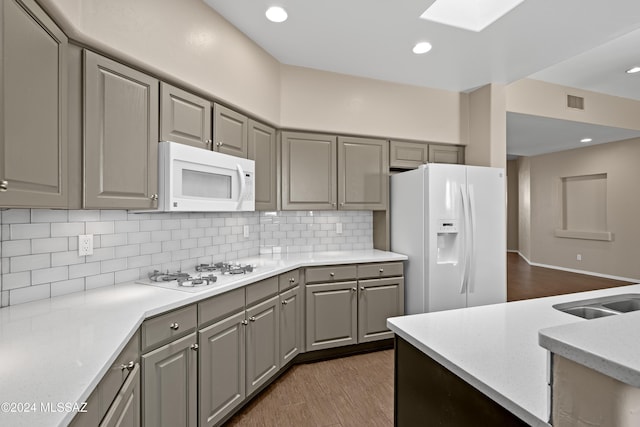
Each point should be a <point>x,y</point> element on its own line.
<point>428,394</point>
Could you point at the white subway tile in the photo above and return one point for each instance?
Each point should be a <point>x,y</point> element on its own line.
<point>29,262</point>
<point>28,294</point>
<point>48,275</point>
<point>128,275</point>
<point>170,246</point>
<point>84,270</point>
<point>188,223</point>
<point>159,258</point>
<point>171,224</point>
<point>188,243</point>
<point>151,225</point>
<point>16,216</point>
<point>16,280</point>
<point>99,281</point>
<point>100,227</point>
<point>139,261</point>
<point>161,236</point>
<point>113,265</point>
<point>67,229</point>
<point>101,254</point>
<point>67,287</point>
<point>179,234</point>
<point>16,247</point>
<point>52,244</point>
<point>127,251</point>
<point>150,248</point>
<point>203,222</point>
<point>119,239</point>
<point>194,233</point>
<point>29,231</point>
<point>141,237</point>
<point>204,241</point>
<point>84,215</point>
<point>126,226</point>
<point>4,298</point>
<point>5,232</point>
<point>180,255</point>
<point>196,253</point>
<point>49,215</point>
<point>113,215</point>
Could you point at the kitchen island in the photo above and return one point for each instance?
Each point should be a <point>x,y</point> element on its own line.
<point>56,351</point>
<point>495,348</point>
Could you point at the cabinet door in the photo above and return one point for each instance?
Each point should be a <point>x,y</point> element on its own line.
<point>446,154</point>
<point>407,155</point>
<point>33,112</point>
<point>263,347</point>
<point>125,410</point>
<point>290,325</point>
<point>363,173</point>
<point>378,299</point>
<point>169,376</point>
<point>262,149</point>
<point>121,136</point>
<point>331,314</point>
<point>309,179</point>
<point>230,134</point>
<point>222,368</point>
<point>184,117</point>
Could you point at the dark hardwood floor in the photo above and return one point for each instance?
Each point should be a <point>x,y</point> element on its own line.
<point>358,390</point>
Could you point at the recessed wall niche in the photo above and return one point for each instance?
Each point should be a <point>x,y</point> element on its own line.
<point>584,207</point>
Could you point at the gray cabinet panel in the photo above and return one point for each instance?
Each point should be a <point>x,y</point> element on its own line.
<point>378,299</point>
<point>169,375</point>
<point>309,171</point>
<point>446,154</point>
<point>262,149</point>
<point>33,111</point>
<point>222,368</point>
<point>363,173</point>
<point>125,410</point>
<point>263,347</point>
<point>331,315</point>
<point>407,155</point>
<point>291,307</point>
<point>184,117</point>
<point>230,131</point>
<point>121,135</point>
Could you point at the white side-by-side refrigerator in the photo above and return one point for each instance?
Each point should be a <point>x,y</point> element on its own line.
<point>450,220</point>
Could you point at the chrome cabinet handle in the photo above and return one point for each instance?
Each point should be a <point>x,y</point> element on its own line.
<point>341,203</point>
<point>175,326</point>
<point>362,288</point>
<point>332,274</point>
<point>128,366</point>
<point>285,302</point>
<point>333,204</point>
<point>245,322</point>
<point>219,144</point>
<point>381,270</point>
<point>253,319</point>
<point>154,197</point>
<point>4,185</point>
<point>208,142</point>
<point>194,347</point>
<point>291,280</point>
<point>354,290</point>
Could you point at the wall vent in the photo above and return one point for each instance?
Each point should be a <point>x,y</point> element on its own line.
<point>576,102</point>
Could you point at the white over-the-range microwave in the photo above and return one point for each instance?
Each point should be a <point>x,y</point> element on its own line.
<point>197,180</point>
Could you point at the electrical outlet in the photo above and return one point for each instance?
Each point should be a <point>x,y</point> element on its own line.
<point>579,257</point>
<point>338,228</point>
<point>85,244</point>
<point>246,231</point>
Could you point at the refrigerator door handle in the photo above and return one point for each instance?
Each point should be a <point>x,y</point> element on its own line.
<point>463,281</point>
<point>472,238</point>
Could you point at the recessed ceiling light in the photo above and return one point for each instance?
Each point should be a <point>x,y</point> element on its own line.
<point>276,14</point>
<point>470,15</point>
<point>585,140</point>
<point>633,70</point>
<point>422,47</point>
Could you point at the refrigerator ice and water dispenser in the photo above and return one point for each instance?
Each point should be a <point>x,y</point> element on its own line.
<point>448,241</point>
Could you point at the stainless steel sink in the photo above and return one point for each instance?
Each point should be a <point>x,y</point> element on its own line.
<point>601,307</point>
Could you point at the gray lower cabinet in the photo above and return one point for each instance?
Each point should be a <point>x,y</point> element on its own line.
<point>120,136</point>
<point>378,299</point>
<point>291,308</point>
<point>169,392</point>
<point>263,344</point>
<point>263,149</point>
<point>33,115</point>
<point>363,173</point>
<point>331,315</point>
<point>230,131</point>
<point>184,117</point>
<point>125,410</point>
<point>309,171</point>
<point>222,368</point>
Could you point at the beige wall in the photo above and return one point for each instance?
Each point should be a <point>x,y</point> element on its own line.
<point>619,160</point>
<point>487,144</point>
<point>325,101</point>
<point>184,42</point>
<point>549,100</point>
<point>524,207</point>
<point>512,205</point>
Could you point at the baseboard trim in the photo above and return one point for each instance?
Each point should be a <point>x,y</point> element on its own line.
<point>574,270</point>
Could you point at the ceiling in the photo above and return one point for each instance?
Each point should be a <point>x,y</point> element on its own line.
<point>586,44</point>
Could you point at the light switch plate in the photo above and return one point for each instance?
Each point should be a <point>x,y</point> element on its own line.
<point>338,228</point>
<point>85,244</point>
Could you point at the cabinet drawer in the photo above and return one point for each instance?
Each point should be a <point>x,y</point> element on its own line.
<point>220,306</point>
<point>169,326</point>
<point>383,269</point>
<point>330,274</point>
<point>262,290</point>
<point>288,280</point>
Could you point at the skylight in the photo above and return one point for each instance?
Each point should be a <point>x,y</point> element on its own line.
<point>473,15</point>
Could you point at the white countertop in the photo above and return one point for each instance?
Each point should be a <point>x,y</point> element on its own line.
<point>495,348</point>
<point>57,350</point>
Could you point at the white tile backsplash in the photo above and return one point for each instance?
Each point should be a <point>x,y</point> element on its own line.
<point>39,250</point>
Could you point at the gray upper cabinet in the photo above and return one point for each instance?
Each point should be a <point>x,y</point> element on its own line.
<point>407,155</point>
<point>33,112</point>
<point>309,171</point>
<point>230,131</point>
<point>363,173</point>
<point>446,154</point>
<point>121,136</point>
<point>263,149</point>
<point>184,117</point>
